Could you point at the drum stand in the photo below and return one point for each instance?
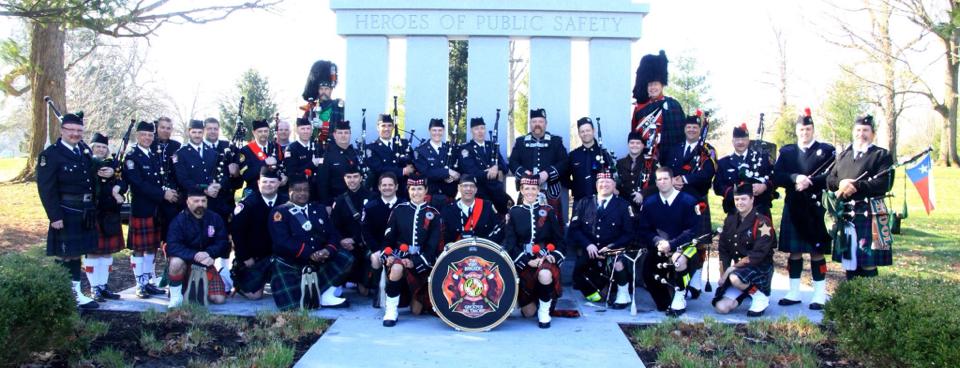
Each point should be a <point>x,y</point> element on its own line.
<point>309,288</point>
<point>198,285</point>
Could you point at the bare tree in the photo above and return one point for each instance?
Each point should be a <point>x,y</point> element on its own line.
<point>518,68</point>
<point>941,20</point>
<point>49,21</point>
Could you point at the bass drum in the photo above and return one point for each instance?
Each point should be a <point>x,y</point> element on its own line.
<point>473,285</point>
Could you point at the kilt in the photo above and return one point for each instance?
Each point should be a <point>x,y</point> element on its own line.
<point>414,287</point>
<point>251,279</point>
<point>285,280</point>
<point>215,282</point>
<point>789,239</point>
<point>143,234</point>
<point>108,244</point>
<point>528,284</point>
<point>77,237</point>
<point>866,255</point>
<point>760,276</point>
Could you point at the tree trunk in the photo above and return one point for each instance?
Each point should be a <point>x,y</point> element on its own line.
<point>48,78</point>
<point>889,103</point>
<point>953,63</point>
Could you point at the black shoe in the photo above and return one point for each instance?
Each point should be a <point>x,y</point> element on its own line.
<point>786,302</point>
<point>694,292</point>
<point>816,306</point>
<point>142,293</point>
<point>97,296</point>
<point>376,302</point>
<point>345,304</point>
<point>618,306</point>
<point>676,312</point>
<point>755,314</point>
<point>389,323</point>
<point>106,293</point>
<point>543,324</point>
<point>153,289</point>
<point>88,306</point>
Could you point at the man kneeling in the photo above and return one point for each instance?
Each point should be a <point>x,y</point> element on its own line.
<point>747,238</point>
<point>196,237</point>
<point>307,264</point>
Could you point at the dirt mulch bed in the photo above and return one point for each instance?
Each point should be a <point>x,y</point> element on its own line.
<point>713,346</point>
<point>221,341</point>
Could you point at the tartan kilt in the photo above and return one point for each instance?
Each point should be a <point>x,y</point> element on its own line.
<point>74,239</point>
<point>866,255</point>
<point>789,239</point>
<point>108,244</point>
<point>143,234</point>
<point>759,276</point>
<point>251,279</point>
<point>414,287</point>
<point>285,280</point>
<point>528,284</point>
<point>215,282</point>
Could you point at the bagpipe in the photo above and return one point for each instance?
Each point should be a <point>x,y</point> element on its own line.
<point>273,148</point>
<point>362,147</point>
<point>605,154</point>
<point>611,256</point>
<point>164,164</point>
<point>495,139</point>
<point>451,162</point>
<point>313,112</point>
<point>403,152</point>
<point>225,157</point>
<point>666,271</point>
<point>650,128</point>
<point>765,148</point>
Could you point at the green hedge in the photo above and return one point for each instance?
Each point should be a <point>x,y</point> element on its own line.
<point>895,321</point>
<point>38,311</point>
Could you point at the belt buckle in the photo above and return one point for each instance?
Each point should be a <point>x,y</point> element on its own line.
<point>88,197</point>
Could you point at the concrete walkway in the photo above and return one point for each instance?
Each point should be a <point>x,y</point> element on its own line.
<point>357,338</point>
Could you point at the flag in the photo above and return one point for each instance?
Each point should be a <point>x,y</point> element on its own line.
<point>921,175</point>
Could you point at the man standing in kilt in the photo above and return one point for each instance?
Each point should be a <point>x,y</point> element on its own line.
<point>257,154</point>
<point>541,154</point>
<point>601,222</point>
<point>166,148</point>
<point>305,249</point>
<point>653,106</point>
<point>412,244</point>
<point>347,216</point>
<point>388,154</point>
<point>470,216</point>
<point>694,163</point>
<point>747,241</point>
<point>65,180</point>
<point>668,221</point>
<point>532,233</point>
<point>253,246</point>
<point>433,161</point>
<point>481,159</point>
<point>142,172</point>
<point>629,170</point>
<point>863,244</point>
<point>744,164</point>
<point>109,230</point>
<point>802,170</point>
<point>197,236</point>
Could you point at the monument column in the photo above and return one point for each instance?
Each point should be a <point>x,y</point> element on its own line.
<point>366,76</point>
<point>487,83</point>
<point>428,64</point>
<point>610,90</point>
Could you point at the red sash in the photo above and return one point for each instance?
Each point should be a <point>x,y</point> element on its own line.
<point>256,150</point>
<point>474,216</point>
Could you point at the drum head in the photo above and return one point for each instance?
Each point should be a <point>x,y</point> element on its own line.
<point>473,285</point>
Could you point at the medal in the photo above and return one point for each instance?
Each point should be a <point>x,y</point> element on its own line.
<point>307,226</point>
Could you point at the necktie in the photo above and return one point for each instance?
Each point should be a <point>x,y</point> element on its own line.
<point>76,150</point>
<point>688,151</point>
<point>269,203</point>
<point>665,203</point>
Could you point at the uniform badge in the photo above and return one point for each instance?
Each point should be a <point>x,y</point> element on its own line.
<point>307,226</point>
<point>289,154</point>
<point>236,210</point>
<point>765,230</point>
<point>429,215</point>
<point>277,217</point>
<point>464,153</point>
<point>173,158</point>
<point>211,231</point>
<point>369,153</point>
<point>542,213</point>
<point>819,152</point>
<point>43,160</point>
<point>130,165</point>
<point>242,158</point>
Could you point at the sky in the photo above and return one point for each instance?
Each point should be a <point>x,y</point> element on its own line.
<point>733,43</point>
